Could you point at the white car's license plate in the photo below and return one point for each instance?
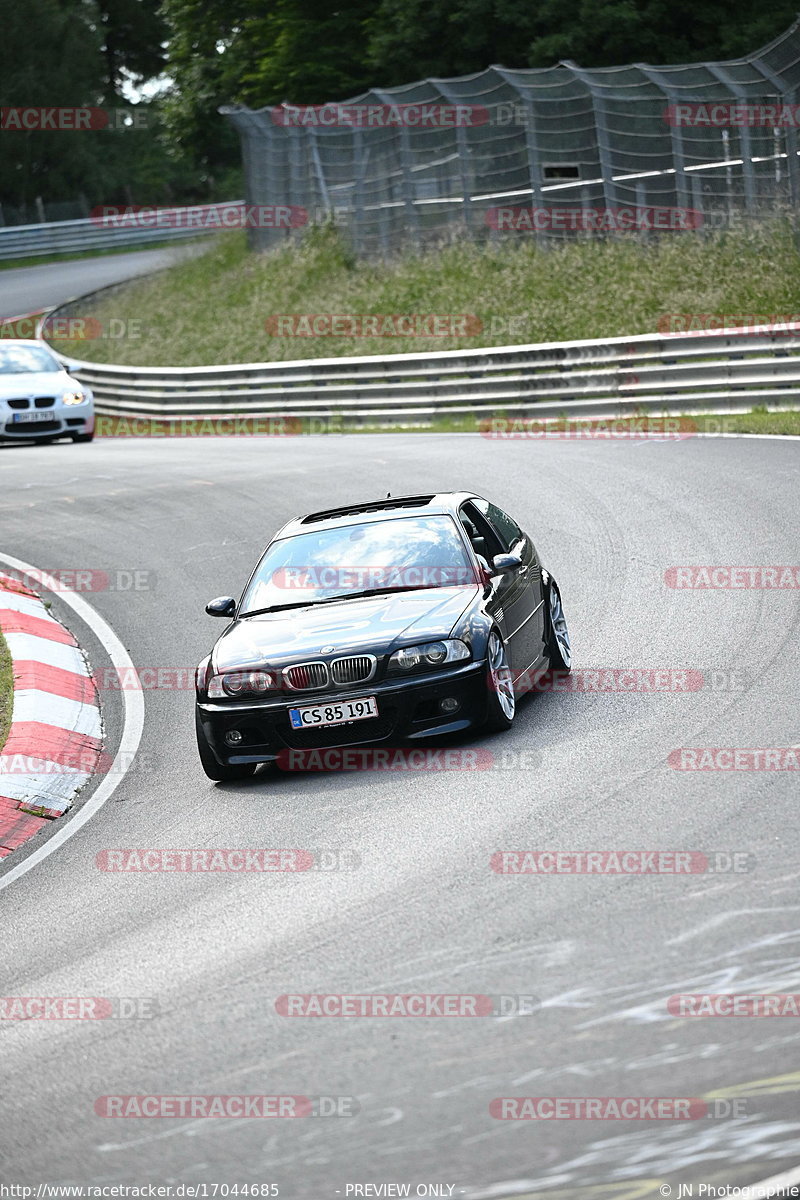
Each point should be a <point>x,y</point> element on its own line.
<point>340,713</point>
<point>32,416</point>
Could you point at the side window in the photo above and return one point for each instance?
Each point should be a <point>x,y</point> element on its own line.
<point>480,533</point>
<point>508,530</point>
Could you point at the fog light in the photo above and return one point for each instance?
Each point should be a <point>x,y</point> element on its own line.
<point>449,704</point>
<point>233,737</point>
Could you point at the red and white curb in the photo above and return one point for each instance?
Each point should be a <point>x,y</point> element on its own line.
<point>55,741</point>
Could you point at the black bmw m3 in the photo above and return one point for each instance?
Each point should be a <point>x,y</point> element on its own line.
<point>392,621</point>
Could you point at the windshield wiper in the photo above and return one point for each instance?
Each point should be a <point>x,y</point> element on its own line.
<point>257,612</point>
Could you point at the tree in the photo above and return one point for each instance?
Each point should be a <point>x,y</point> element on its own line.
<point>133,34</point>
<point>605,33</point>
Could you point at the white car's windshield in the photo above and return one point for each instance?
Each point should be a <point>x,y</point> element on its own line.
<point>26,360</point>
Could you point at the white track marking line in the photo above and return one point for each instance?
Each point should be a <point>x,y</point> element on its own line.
<point>132,727</point>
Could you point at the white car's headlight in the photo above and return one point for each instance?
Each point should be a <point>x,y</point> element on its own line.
<point>431,654</point>
<point>73,397</point>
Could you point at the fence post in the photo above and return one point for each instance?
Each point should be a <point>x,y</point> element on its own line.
<point>359,159</point>
<point>406,159</point>
<point>408,184</point>
<point>745,143</point>
<point>462,150</point>
<point>676,134</point>
<point>320,174</point>
<point>789,98</point>
<point>697,198</point>
<point>603,137</point>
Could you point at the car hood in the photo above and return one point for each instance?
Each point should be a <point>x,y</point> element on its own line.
<point>35,383</point>
<point>370,624</point>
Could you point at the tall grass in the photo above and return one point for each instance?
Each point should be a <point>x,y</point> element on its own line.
<point>212,309</point>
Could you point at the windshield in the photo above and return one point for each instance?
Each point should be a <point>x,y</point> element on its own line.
<point>26,360</point>
<point>406,553</point>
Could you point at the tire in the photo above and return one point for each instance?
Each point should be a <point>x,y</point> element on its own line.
<point>82,437</point>
<point>213,769</point>
<point>559,650</point>
<point>501,704</point>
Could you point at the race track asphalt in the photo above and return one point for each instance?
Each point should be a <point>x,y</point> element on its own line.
<point>26,289</point>
<point>423,912</point>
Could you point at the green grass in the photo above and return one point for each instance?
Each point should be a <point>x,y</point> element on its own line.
<point>761,421</point>
<point>212,309</point>
<point>758,420</point>
<point>6,691</point>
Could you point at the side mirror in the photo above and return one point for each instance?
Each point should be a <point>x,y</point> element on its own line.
<point>506,564</point>
<point>223,606</point>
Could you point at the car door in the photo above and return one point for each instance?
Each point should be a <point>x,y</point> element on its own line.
<point>511,596</point>
<point>523,596</point>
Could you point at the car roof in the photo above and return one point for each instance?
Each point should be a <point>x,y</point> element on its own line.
<point>389,507</point>
<point>29,344</point>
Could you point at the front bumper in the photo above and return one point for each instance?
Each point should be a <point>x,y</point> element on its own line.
<point>407,710</point>
<point>61,420</point>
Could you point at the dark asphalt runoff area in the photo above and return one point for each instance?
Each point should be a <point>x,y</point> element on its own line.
<point>423,912</point>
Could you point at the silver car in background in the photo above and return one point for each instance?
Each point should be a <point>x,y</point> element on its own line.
<point>39,400</point>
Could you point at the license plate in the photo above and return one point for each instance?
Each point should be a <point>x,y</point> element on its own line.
<point>31,416</point>
<point>341,713</point>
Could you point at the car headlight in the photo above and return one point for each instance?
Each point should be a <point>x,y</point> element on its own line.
<point>242,683</point>
<point>73,397</point>
<point>432,654</point>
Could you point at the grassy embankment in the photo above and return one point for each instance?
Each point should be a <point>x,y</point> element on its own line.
<point>214,308</point>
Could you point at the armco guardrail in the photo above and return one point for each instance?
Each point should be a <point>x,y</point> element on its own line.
<point>715,371</point>
<point>69,237</point>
